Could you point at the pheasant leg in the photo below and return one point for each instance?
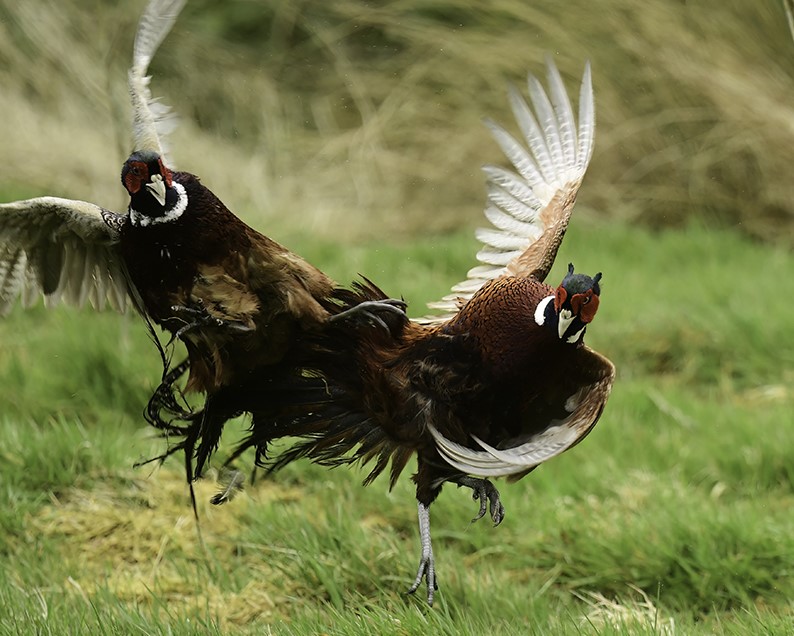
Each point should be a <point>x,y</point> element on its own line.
<point>427,564</point>
<point>198,316</point>
<point>487,494</point>
<point>164,399</point>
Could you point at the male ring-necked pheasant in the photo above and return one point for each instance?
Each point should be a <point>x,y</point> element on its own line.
<point>236,298</point>
<point>499,385</point>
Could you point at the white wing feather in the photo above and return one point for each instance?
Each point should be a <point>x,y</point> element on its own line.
<point>528,207</point>
<point>152,121</point>
<point>63,249</point>
<point>494,463</point>
<point>584,408</point>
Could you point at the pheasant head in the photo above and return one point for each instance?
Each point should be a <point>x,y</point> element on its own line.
<point>572,307</point>
<point>154,196</point>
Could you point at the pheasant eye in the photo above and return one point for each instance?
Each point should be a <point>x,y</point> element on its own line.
<point>588,307</point>
<point>137,169</point>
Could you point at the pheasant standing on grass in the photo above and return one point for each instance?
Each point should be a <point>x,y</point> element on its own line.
<point>498,386</point>
<point>236,298</point>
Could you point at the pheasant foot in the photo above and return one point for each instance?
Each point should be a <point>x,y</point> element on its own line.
<point>487,494</point>
<point>199,316</point>
<point>371,310</point>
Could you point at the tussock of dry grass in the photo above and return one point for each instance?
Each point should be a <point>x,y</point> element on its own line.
<point>140,543</point>
<point>636,612</point>
<point>358,118</point>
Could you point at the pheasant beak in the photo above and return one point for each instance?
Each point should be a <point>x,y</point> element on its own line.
<point>564,321</point>
<point>157,188</point>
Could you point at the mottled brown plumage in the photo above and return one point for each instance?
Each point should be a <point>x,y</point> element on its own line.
<point>238,300</point>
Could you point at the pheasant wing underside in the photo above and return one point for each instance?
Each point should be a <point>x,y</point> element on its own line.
<point>530,208</point>
<point>62,249</point>
<point>583,403</point>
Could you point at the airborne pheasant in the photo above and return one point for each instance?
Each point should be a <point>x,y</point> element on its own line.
<point>502,383</point>
<point>236,298</point>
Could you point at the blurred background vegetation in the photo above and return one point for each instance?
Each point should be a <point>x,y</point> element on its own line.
<point>358,119</point>
<point>352,131</point>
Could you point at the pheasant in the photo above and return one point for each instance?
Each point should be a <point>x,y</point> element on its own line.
<point>498,385</point>
<point>236,298</point>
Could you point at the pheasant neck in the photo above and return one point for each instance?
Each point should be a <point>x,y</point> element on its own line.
<point>145,211</point>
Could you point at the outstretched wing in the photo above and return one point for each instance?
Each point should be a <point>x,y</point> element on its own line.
<point>152,121</point>
<point>66,249</point>
<point>530,208</point>
<point>62,249</point>
<point>584,407</point>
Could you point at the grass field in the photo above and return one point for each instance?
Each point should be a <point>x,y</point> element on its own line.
<point>351,132</point>
<point>674,516</point>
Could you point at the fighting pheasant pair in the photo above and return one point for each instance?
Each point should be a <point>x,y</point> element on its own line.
<point>500,384</point>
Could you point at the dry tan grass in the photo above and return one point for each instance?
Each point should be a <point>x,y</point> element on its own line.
<point>140,543</point>
<point>360,119</point>
<point>636,614</point>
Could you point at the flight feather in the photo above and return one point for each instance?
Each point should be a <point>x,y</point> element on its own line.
<point>529,208</point>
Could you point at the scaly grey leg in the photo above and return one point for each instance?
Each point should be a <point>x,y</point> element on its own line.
<point>427,564</point>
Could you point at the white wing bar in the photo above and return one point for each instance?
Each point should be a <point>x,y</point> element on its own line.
<point>584,408</point>
<point>550,159</point>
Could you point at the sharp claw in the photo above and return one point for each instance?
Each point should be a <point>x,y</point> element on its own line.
<point>202,318</point>
<point>398,304</point>
<point>497,513</point>
<point>165,399</point>
<point>418,580</point>
<point>488,496</point>
<point>483,504</point>
<point>368,310</point>
<point>426,571</point>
